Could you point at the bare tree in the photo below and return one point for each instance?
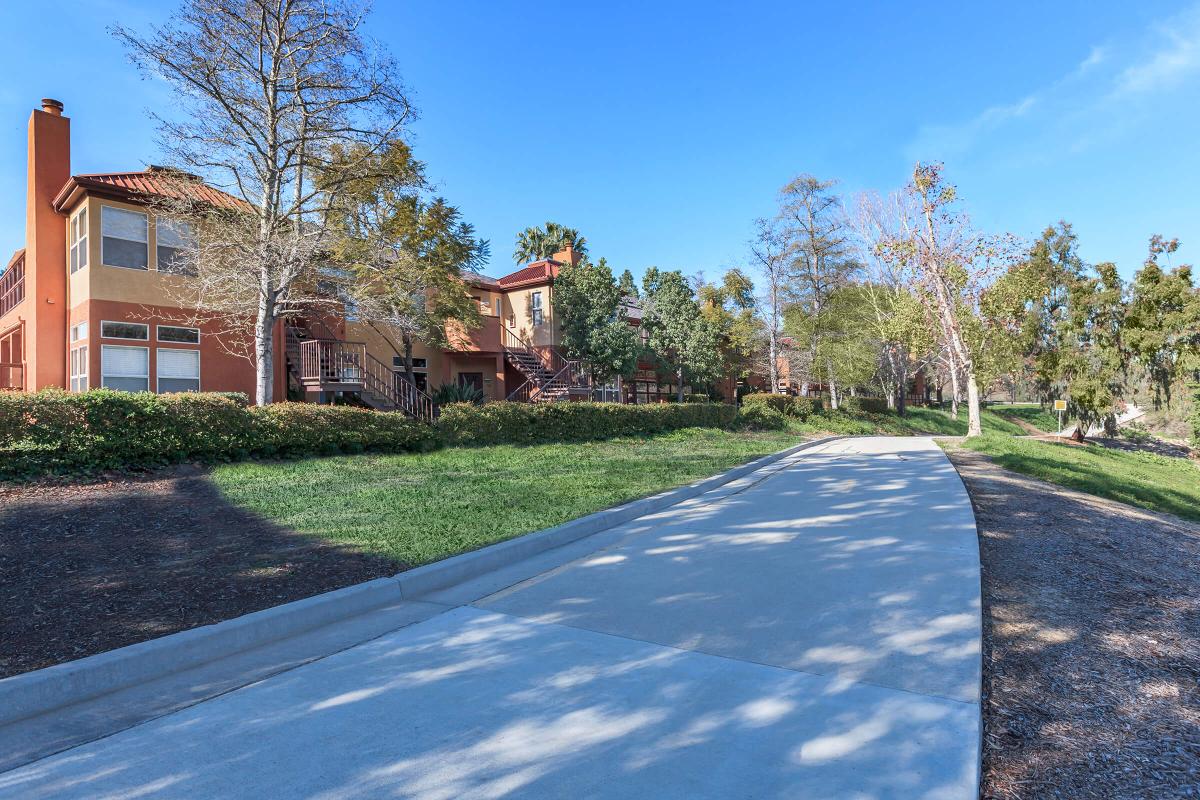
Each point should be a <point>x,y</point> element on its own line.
<point>771,258</point>
<point>821,257</point>
<point>955,265</point>
<point>271,93</point>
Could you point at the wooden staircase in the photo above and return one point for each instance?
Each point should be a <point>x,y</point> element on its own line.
<point>549,376</point>
<point>324,362</point>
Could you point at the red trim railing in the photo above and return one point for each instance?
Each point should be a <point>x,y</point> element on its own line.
<point>12,287</point>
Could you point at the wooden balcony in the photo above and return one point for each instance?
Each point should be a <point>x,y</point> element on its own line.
<point>332,363</point>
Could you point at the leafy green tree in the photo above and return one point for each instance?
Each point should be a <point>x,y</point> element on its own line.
<point>1093,358</point>
<point>628,285</point>
<point>679,336</point>
<point>588,304</point>
<point>730,307</point>
<point>404,256</point>
<point>534,244</point>
<point>1162,329</point>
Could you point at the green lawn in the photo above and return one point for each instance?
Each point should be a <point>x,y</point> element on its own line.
<point>917,421</point>
<point>1142,479</point>
<point>419,508</point>
<point>1041,418</point>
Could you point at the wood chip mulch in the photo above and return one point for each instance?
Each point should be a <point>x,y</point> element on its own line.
<point>1091,642</point>
<point>86,568</point>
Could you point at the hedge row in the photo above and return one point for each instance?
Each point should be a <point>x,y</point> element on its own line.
<point>863,405</point>
<point>53,431</point>
<point>786,404</point>
<point>526,423</point>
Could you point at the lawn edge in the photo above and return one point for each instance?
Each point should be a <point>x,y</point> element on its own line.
<point>41,691</point>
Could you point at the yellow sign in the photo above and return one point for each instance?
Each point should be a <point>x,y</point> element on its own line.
<point>1060,405</point>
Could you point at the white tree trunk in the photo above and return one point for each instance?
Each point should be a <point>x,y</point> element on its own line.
<point>974,423</point>
<point>833,392</point>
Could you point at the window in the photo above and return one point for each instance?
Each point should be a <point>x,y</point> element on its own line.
<point>79,240</point>
<point>178,370</point>
<point>125,368</point>
<point>173,240</point>
<point>497,306</point>
<point>535,304</point>
<point>170,333</point>
<point>125,330</point>
<point>418,363</point>
<point>79,369</point>
<point>123,238</point>
<point>78,332</point>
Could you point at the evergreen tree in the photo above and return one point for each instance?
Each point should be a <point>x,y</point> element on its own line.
<point>681,339</point>
<point>594,328</point>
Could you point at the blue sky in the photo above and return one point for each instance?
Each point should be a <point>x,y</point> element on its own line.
<point>661,130</point>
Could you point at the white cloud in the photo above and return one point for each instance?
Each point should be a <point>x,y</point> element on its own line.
<point>1174,56</point>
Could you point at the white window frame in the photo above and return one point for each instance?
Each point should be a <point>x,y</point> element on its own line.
<point>79,332</point>
<point>536,313</point>
<point>145,325</point>
<point>170,224</point>
<point>145,226</point>
<point>158,334</point>
<point>78,257</point>
<point>78,360</point>
<point>104,376</point>
<point>158,378</point>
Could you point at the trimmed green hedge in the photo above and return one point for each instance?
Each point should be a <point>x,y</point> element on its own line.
<point>56,432</point>
<point>862,405</point>
<point>789,405</point>
<point>532,423</point>
<point>53,431</point>
<point>761,417</point>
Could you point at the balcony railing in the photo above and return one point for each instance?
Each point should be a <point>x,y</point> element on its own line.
<point>12,287</point>
<point>332,361</point>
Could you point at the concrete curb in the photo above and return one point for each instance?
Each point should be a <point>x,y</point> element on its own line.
<point>44,690</point>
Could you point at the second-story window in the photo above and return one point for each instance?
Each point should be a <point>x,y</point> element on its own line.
<point>79,239</point>
<point>123,238</point>
<point>173,243</point>
<point>124,330</point>
<point>535,305</point>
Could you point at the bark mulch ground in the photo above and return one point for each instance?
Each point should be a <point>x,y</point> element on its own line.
<point>87,568</point>
<point>1091,642</point>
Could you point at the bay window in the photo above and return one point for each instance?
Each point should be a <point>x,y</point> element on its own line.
<point>123,238</point>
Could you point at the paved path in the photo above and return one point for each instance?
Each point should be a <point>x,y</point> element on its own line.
<point>810,632</point>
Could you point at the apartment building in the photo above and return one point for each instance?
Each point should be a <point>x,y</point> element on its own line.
<point>87,303</point>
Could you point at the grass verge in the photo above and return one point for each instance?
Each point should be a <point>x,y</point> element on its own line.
<point>1035,415</point>
<point>418,508</point>
<point>1148,480</point>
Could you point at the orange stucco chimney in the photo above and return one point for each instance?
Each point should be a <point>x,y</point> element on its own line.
<point>49,168</point>
<point>567,255</point>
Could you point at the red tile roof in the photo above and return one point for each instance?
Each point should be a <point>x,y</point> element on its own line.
<point>538,272</point>
<point>153,182</point>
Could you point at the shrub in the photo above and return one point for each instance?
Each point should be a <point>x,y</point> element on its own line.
<point>449,393</point>
<point>1196,415</point>
<point>761,417</point>
<point>862,405</point>
<point>301,429</point>
<point>805,407</point>
<point>697,398</point>
<point>781,403</point>
<point>532,423</point>
<point>53,431</point>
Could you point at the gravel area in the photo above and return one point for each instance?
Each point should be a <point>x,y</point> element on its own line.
<point>1091,642</point>
<point>87,568</point>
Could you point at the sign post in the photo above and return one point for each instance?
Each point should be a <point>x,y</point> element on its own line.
<point>1060,406</point>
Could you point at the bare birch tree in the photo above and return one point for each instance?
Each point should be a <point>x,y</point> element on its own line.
<point>821,258</point>
<point>773,263</point>
<point>269,92</point>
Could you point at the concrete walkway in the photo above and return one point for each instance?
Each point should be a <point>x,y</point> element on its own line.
<point>810,632</point>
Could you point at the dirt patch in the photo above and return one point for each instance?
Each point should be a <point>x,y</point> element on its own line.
<point>1091,642</point>
<point>87,568</point>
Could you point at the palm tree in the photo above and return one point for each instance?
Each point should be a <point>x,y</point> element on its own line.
<point>537,243</point>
